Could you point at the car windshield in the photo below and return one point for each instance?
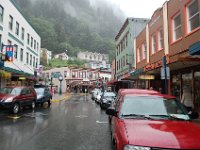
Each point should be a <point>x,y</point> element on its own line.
<point>155,107</point>
<point>109,94</point>
<point>10,90</point>
<point>39,91</point>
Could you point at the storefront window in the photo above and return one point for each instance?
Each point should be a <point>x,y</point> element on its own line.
<point>197,90</point>
<point>176,86</point>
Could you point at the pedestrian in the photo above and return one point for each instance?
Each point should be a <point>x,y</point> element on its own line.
<point>151,88</point>
<point>186,98</point>
<point>160,90</point>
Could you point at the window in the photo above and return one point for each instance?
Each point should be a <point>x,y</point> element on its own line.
<point>21,54</point>
<point>119,65</point>
<point>139,54</point>
<point>160,39</point>
<point>127,40</point>
<point>36,63</point>
<point>27,57</point>
<point>37,46</point>
<point>31,41</point>
<point>34,44</point>
<point>15,51</point>
<point>0,44</point>
<point>144,48</point>
<point>10,22</point>
<point>33,61</point>
<point>28,38</point>
<point>22,33</point>
<point>17,28</point>
<point>193,19</point>
<point>177,33</point>
<point>30,60</point>
<point>1,13</point>
<point>153,43</point>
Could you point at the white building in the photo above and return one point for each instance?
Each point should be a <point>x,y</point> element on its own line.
<point>48,54</point>
<point>16,30</point>
<point>90,56</point>
<point>62,56</point>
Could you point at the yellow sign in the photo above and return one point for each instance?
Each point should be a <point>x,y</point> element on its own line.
<point>22,78</point>
<point>147,77</point>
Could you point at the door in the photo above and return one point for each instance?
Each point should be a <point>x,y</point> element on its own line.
<point>26,96</point>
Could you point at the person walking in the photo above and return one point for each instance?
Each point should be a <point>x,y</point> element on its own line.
<point>186,98</point>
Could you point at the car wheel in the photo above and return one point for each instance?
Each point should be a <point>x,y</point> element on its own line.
<point>15,108</point>
<point>33,105</point>
<point>49,102</point>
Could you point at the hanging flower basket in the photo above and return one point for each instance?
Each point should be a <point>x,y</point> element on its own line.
<point>5,74</point>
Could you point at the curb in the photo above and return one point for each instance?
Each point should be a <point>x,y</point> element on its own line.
<point>64,98</point>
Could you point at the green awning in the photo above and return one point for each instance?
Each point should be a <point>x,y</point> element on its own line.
<point>11,70</point>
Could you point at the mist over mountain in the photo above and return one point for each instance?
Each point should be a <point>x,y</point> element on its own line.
<point>75,25</point>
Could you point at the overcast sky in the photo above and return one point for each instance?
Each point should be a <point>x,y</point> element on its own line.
<point>138,8</point>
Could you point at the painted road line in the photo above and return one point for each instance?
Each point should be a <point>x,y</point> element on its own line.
<point>65,98</point>
<point>82,116</point>
<point>101,122</point>
<point>14,117</point>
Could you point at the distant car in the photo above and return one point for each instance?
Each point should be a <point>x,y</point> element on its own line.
<point>94,92</point>
<point>43,95</point>
<point>98,96</point>
<point>14,98</point>
<point>148,120</point>
<point>107,99</point>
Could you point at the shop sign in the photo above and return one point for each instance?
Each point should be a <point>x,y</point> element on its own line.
<point>137,72</point>
<point>146,77</point>
<point>153,66</point>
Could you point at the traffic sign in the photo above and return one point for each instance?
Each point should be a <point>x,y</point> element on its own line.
<point>162,73</point>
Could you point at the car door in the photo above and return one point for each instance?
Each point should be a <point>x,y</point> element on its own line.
<point>26,96</point>
<point>115,121</point>
<point>47,94</point>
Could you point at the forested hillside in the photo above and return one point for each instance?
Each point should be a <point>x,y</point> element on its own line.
<point>75,25</point>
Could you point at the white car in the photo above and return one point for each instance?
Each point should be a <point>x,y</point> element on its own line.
<point>98,97</point>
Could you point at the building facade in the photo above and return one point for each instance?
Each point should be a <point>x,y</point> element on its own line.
<point>75,79</point>
<point>16,30</point>
<point>95,57</point>
<point>45,53</point>
<point>125,47</point>
<point>62,56</point>
<point>172,33</point>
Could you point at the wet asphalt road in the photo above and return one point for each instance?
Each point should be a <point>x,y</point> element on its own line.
<point>74,124</point>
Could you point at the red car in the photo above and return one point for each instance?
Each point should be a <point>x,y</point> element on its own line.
<point>148,120</point>
<point>15,97</point>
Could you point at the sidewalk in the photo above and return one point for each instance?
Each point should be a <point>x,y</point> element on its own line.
<point>57,97</point>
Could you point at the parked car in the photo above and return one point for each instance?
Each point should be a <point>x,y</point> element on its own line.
<point>98,96</point>
<point>94,93</point>
<point>107,99</point>
<point>14,98</point>
<point>43,94</point>
<point>147,120</point>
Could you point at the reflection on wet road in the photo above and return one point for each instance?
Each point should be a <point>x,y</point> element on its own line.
<point>75,124</point>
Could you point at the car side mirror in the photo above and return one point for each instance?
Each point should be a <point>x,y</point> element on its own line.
<point>111,111</point>
<point>193,115</point>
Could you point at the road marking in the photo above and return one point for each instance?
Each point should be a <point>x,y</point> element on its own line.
<point>82,116</point>
<point>14,117</point>
<point>65,98</point>
<point>101,122</point>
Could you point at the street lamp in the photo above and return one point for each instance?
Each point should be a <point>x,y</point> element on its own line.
<point>60,79</point>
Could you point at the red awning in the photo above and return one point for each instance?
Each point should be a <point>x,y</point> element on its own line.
<point>112,82</point>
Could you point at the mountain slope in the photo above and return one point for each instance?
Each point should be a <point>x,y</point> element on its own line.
<point>75,25</point>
